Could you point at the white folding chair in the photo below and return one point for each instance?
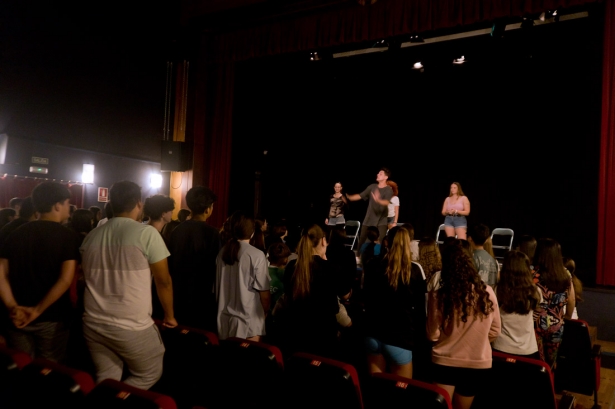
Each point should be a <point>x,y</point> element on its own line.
<point>353,232</point>
<point>441,235</point>
<point>501,241</point>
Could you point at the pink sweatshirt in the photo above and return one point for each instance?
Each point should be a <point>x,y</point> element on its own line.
<point>464,345</point>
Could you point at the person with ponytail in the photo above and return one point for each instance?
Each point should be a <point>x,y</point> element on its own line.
<point>462,319</point>
<point>242,283</point>
<point>311,293</point>
<point>395,307</point>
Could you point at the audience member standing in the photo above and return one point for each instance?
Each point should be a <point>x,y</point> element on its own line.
<point>242,284</point>
<point>27,213</point>
<point>379,196</point>
<point>194,246</point>
<point>393,207</point>
<point>462,319</point>
<point>486,265</point>
<point>159,209</point>
<point>555,284</point>
<point>395,307</point>
<point>37,266</point>
<point>119,260</point>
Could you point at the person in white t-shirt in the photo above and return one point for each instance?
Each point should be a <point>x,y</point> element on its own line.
<point>119,260</point>
<point>393,206</point>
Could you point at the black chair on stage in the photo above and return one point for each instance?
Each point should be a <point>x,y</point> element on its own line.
<point>578,362</point>
<point>118,395</point>
<point>191,366</point>
<point>314,381</point>
<point>44,383</point>
<point>249,371</point>
<point>516,382</point>
<point>11,363</point>
<point>392,391</point>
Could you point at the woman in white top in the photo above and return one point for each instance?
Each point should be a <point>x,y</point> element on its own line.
<point>393,206</point>
<point>517,297</point>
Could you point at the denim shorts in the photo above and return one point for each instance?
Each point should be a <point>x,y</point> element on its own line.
<point>456,221</point>
<point>394,355</point>
<point>337,220</point>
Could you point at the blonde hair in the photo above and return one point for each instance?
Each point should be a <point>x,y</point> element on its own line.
<point>400,258</point>
<point>302,276</point>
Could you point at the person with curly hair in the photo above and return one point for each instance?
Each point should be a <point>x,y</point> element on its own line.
<point>555,283</point>
<point>518,297</point>
<point>462,319</point>
<point>429,257</point>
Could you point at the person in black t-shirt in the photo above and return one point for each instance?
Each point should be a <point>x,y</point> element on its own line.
<point>194,246</point>
<point>37,266</point>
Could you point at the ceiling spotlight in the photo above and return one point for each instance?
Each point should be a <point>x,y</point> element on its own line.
<point>415,38</point>
<point>417,66</point>
<point>459,61</point>
<point>381,44</point>
<point>314,56</point>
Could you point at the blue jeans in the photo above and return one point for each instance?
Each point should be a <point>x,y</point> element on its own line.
<point>41,340</point>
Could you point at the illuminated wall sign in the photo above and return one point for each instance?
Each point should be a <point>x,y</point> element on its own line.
<point>103,194</point>
<point>40,161</point>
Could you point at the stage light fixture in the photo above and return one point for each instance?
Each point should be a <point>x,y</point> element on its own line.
<point>528,22</point>
<point>381,44</point>
<point>415,38</point>
<point>459,61</point>
<point>155,180</point>
<point>87,176</point>
<point>417,66</point>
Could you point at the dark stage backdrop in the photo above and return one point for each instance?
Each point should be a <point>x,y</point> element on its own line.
<point>518,126</point>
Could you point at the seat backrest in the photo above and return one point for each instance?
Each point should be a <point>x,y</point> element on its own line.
<point>249,368</point>
<point>352,227</point>
<point>440,235</point>
<point>314,381</point>
<point>515,382</point>
<point>45,383</point>
<point>118,395</point>
<point>391,391</point>
<point>191,366</point>
<point>502,240</point>
<point>11,363</point>
<point>578,363</point>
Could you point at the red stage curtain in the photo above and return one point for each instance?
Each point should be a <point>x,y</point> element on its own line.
<point>17,186</point>
<point>606,187</point>
<point>356,23</point>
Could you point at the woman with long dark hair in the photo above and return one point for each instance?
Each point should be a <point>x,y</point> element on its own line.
<point>395,307</point>
<point>462,319</point>
<point>555,284</point>
<point>242,283</point>
<point>518,297</point>
<point>311,293</point>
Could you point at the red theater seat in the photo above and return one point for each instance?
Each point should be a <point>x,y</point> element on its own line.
<point>317,382</point>
<point>578,362</point>
<point>48,384</point>
<point>117,395</point>
<point>516,382</point>
<point>191,366</point>
<point>392,391</point>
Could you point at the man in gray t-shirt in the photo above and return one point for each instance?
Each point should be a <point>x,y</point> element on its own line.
<point>486,265</point>
<point>379,196</point>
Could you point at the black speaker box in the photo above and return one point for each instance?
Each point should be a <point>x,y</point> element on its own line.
<point>175,157</point>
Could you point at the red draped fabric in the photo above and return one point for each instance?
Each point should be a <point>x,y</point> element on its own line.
<point>17,186</point>
<point>356,23</point>
<point>606,183</point>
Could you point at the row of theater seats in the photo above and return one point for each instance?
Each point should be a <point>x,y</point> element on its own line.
<point>200,371</point>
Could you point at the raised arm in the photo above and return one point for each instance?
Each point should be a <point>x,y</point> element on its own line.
<point>164,289</point>
<point>353,198</point>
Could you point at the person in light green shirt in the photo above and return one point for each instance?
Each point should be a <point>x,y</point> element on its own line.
<point>278,257</point>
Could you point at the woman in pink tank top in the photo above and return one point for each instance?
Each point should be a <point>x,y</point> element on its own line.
<point>455,209</point>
